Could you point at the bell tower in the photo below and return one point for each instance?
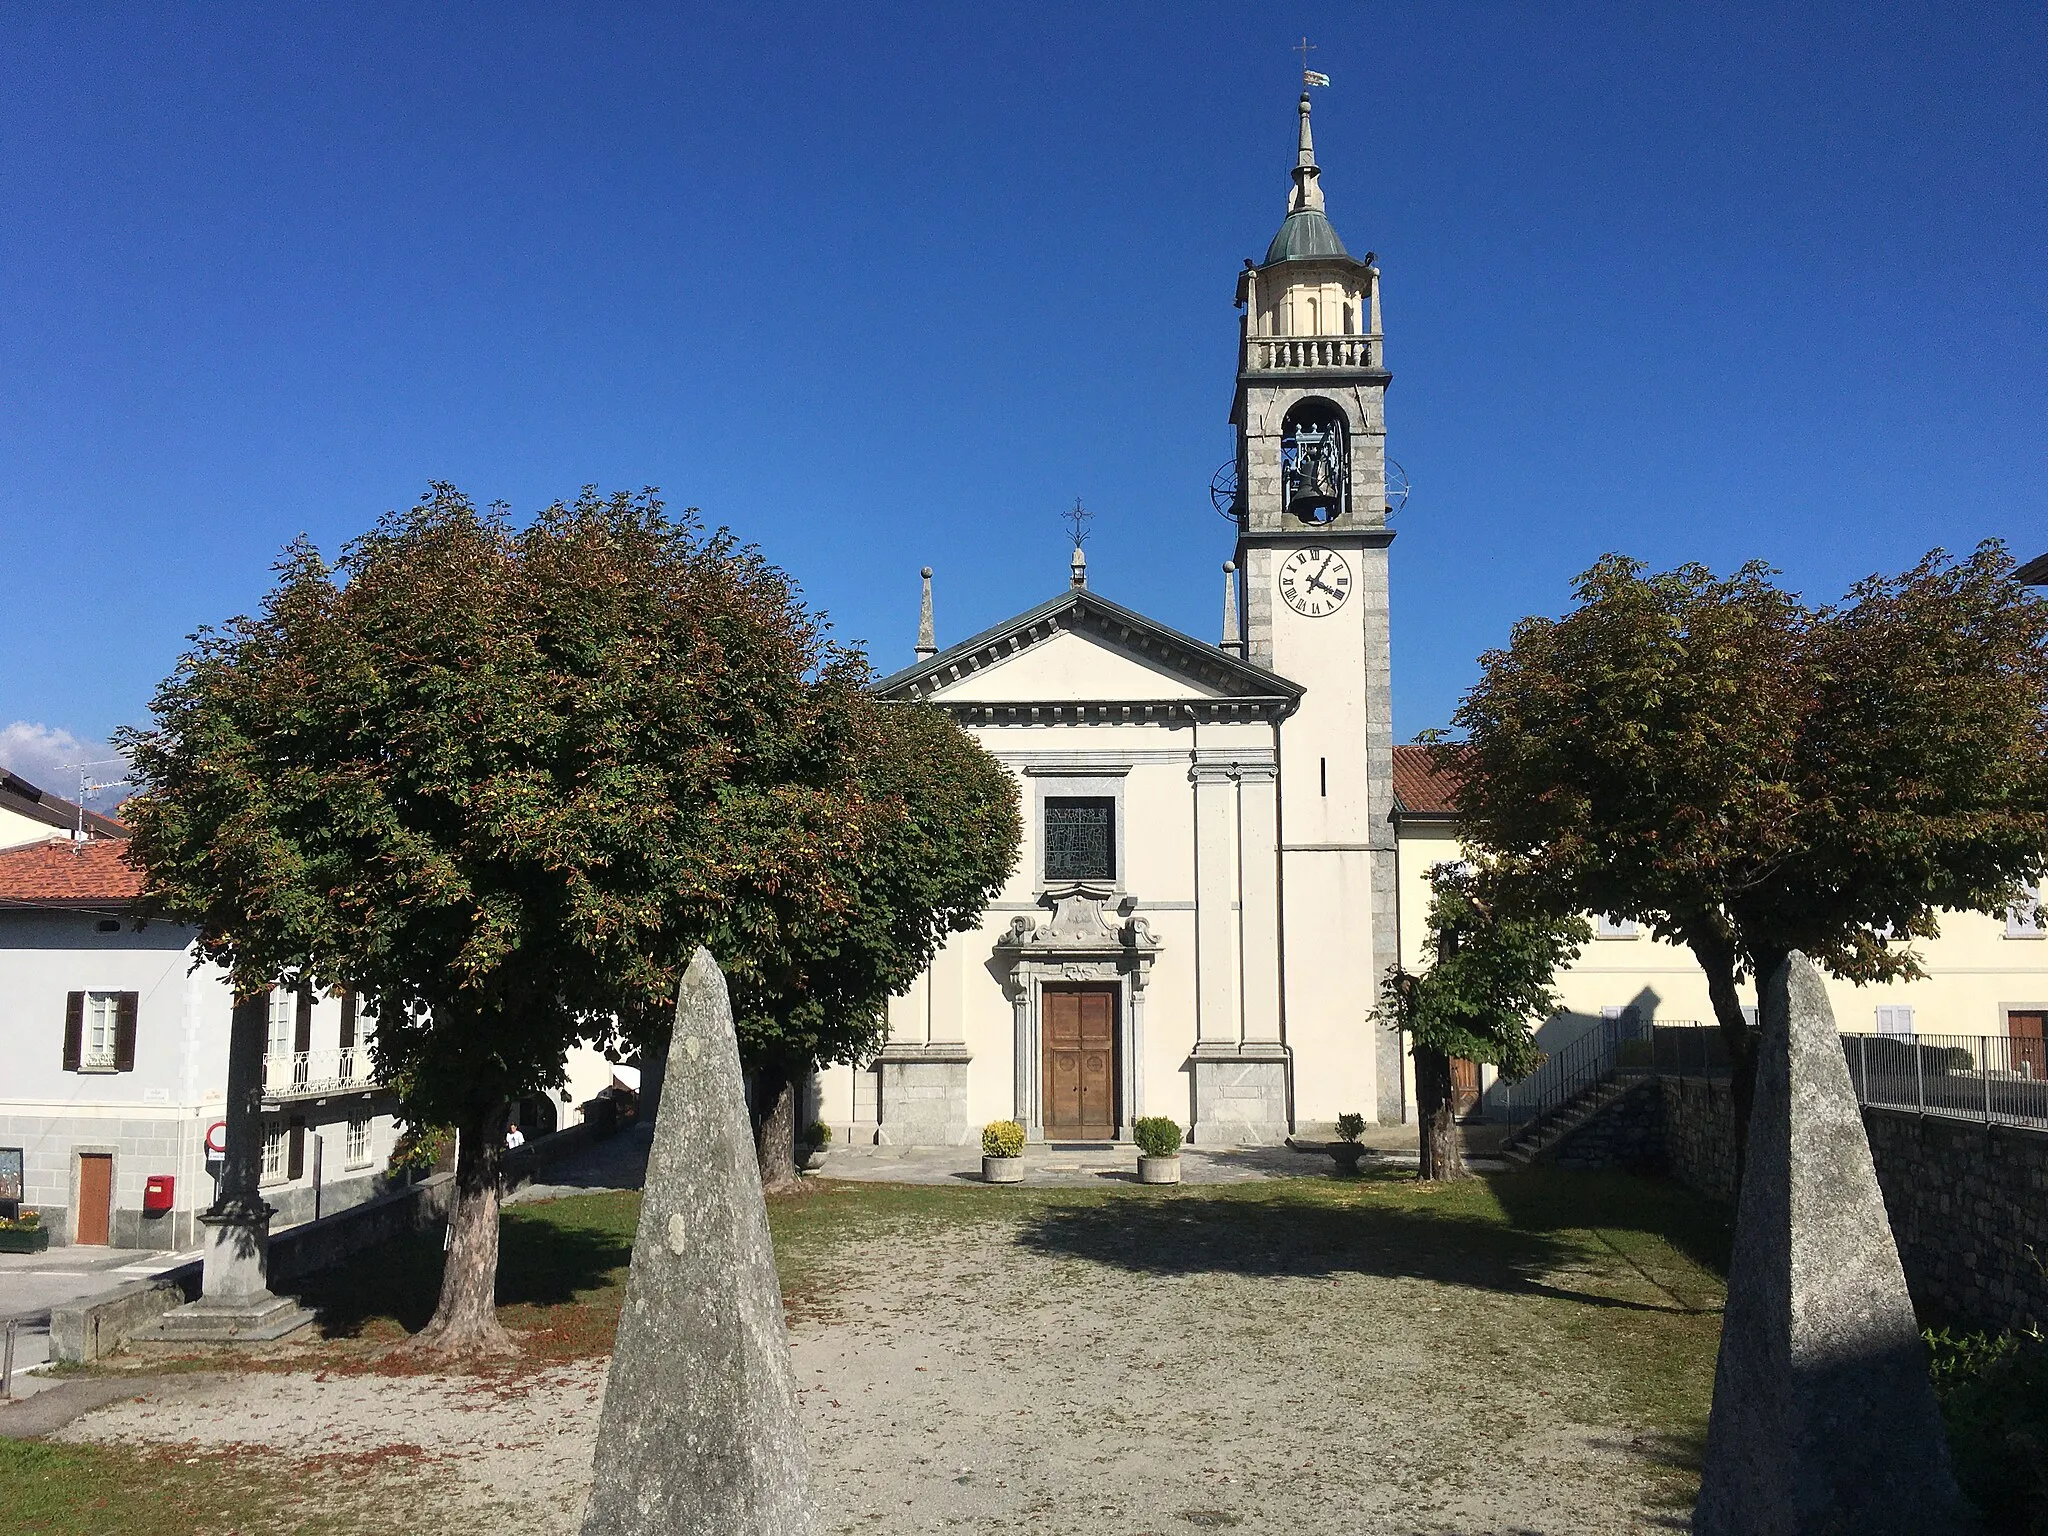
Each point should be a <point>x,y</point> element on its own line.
<point>1312,537</point>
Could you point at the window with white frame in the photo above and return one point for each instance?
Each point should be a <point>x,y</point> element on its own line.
<point>1895,1020</point>
<point>284,1013</point>
<point>102,1033</point>
<point>356,1149</point>
<point>273,1153</point>
<point>1605,927</point>
<point>2023,918</point>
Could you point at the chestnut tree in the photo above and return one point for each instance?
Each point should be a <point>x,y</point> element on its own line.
<point>1747,775</point>
<point>500,781</point>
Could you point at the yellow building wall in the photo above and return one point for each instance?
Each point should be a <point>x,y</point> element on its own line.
<point>1974,972</point>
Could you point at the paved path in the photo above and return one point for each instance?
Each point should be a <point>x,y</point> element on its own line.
<point>621,1162</point>
<point>617,1162</point>
<point>32,1283</point>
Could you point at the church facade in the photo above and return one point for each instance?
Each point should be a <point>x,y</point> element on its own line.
<point>1206,892</point>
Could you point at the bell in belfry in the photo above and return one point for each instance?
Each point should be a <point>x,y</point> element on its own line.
<point>1312,459</point>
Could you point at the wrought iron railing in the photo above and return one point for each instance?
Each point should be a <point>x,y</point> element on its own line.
<point>1600,1051</point>
<point>298,1074</point>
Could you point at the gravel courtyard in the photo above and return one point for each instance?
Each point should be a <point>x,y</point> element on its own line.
<point>1531,1353</point>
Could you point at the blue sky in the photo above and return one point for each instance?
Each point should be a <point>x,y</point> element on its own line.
<point>888,285</point>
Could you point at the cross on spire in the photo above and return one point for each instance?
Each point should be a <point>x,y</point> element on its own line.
<point>1304,48</point>
<point>1078,521</point>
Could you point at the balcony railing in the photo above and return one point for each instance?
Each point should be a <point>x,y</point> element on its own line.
<point>304,1074</point>
<point>1282,354</point>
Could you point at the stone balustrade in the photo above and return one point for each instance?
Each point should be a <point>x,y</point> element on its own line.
<point>1285,354</point>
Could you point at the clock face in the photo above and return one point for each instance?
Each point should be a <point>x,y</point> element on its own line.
<point>1314,581</point>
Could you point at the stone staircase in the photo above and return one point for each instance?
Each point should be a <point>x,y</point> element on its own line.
<point>1540,1139</point>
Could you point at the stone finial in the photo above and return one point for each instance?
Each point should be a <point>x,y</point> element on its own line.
<point>699,1431</point>
<point>927,646</point>
<point>1823,1418</point>
<point>1077,570</point>
<point>1308,186</point>
<point>1233,637</point>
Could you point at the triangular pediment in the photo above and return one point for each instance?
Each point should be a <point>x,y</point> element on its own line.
<point>1081,648</point>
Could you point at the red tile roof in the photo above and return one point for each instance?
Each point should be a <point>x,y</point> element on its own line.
<point>61,873</point>
<point>1421,787</point>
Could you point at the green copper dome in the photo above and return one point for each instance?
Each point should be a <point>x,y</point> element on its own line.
<point>1305,234</point>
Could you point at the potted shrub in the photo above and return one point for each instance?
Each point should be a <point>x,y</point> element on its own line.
<point>1158,1140</point>
<point>1002,1152</point>
<point>1347,1149</point>
<point>24,1233</point>
<point>810,1153</point>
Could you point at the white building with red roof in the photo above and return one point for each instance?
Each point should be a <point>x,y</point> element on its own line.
<point>115,1038</point>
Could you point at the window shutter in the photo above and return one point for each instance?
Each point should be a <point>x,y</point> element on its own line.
<point>295,1159</point>
<point>74,1030</point>
<point>302,1033</point>
<point>124,1030</point>
<point>348,1020</point>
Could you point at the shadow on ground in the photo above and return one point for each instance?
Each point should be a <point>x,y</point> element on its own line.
<point>1392,1228</point>
<point>542,1262</point>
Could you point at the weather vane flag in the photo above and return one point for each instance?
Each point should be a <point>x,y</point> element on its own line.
<point>1309,76</point>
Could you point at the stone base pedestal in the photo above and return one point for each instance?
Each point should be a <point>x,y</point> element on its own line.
<point>923,1094</point>
<point>1240,1095</point>
<point>235,1303</point>
<point>250,1320</point>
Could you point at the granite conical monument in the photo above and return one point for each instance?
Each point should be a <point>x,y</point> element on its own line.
<point>699,1432</point>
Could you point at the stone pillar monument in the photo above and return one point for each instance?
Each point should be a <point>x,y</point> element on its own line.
<point>699,1432</point>
<point>235,1301</point>
<point>1823,1418</point>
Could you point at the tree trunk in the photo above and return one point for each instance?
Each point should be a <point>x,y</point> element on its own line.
<point>653,1072</point>
<point>1442,1156</point>
<point>775,1127</point>
<point>1717,958</point>
<point>465,1320</point>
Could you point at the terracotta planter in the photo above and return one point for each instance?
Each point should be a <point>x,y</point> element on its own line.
<point>1158,1170</point>
<point>1002,1170</point>
<point>1348,1155</point>
<point>24,1240</point>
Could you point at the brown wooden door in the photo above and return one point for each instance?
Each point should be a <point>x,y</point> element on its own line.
<point>2029,1048</point>
<point>1464,1086</point>
<point>95,1199</point>
<point>1080,1063</point>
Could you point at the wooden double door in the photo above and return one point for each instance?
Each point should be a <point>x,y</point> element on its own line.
<point>2028,1031</point>
<point>1078,1028</point>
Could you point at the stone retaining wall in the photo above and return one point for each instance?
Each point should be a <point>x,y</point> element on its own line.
<point>1629,1133</point>
<point>1699,1133</point>
<point>1968,1202</point>
<point>1969,1207</point>
<point>85,1329</point>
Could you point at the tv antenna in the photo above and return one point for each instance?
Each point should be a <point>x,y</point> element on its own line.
<point>86,786</point>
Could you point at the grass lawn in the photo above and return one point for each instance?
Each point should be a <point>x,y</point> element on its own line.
<point>1585,1298</point>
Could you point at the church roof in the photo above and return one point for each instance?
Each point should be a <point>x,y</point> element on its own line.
<point>1304,235</point>
<point>1424,790</point>
<point>1235,686</point>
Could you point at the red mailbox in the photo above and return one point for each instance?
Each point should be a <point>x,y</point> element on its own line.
<point>159,1194</point>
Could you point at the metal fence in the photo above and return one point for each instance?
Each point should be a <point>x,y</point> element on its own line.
<point>1994,1079</point>
<point>1596,1053</point>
